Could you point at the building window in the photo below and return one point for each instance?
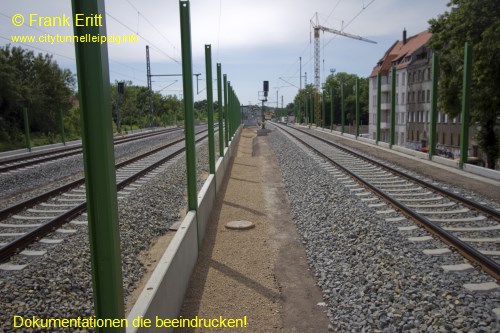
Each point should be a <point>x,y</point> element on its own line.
<point>444,138</point>
<point>427,117</point>
<point>445,118</point>
<point>404,79</point>
<point>428,96</point>
<point>403,98</point>
<point>397,96</point>
<point>397,79</point>
<point>374,100</point>
<point>418,135</point>
<point>429,74</point>
<point>451,139</point>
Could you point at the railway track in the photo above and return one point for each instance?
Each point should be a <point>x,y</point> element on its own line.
<point>469,227</point>
<point>37,158</point>
<point>31,220</point>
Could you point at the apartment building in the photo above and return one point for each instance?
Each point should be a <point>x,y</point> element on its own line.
<point>412,58</point>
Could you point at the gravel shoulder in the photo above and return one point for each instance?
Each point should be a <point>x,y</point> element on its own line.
<point>260,273</point>
<point>372,277</point>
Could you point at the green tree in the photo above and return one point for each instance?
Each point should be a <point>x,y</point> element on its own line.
<point>34,82</point>
<point>333,83</point>
<point>134,107</point>
<point>476,22</point>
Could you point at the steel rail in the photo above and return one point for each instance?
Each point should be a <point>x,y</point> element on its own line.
<point>66,152</point>
<point>494,214</point>
<point>487,264</point>
<point>22,242</point>
<point>6,212</point>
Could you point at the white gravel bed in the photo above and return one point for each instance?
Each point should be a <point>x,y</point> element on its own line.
<point>51,172</point>
<point>58,284</point>
<point>374,279</point>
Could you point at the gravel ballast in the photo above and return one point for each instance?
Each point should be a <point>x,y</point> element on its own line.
<point>50,173</point>
<point>373,278</point>
<point>58,284</point>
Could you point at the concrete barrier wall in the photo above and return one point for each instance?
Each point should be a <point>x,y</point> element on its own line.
<point>206,199</point>
<point>485,172</point>
<point>164,292</point>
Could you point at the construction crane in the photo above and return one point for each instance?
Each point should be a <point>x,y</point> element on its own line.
<point>317,27</point>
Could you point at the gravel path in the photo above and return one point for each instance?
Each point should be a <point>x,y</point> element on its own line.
<point>59,283</point>
<point>259,273</point>
<point>372,278</point>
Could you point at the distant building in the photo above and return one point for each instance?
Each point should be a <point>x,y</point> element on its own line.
<point>412,58</point>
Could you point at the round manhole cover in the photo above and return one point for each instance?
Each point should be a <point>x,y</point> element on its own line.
<point>240,225</point>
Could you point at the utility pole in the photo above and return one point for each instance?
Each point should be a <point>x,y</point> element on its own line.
<point>150,88</point>
<point>300,72</point>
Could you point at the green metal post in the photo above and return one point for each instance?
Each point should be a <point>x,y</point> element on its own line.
<point>234,112</point>
<point>434,112</point>
<point>306,105</point>
<point>61,120</point>
<point>357,107</point>
<point>393,107</point>
<point>187,85</point>
<point>331,109</point>
<point>99,165</point>
<point>210,102</point>
<point>464,131</point>
<point>229,111</point>
<point>315,105</point>
<point>220,103</point>
<point>27,129</point>
<point>323,109</point>
<point>342,109</point>
<point>379,105</point>
<point>226,129</point>
<point>311,110</point>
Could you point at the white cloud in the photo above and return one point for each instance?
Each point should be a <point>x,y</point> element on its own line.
<point>258,39</point>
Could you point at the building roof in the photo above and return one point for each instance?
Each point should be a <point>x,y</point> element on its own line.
<point>399,52</point>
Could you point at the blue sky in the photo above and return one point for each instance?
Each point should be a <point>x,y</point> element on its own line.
<point>254,40</point>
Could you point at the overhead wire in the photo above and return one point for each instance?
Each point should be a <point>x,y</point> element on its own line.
<point>311,56</point>
<point>349,23</point>
<point>145,39</point>
<point>218,30</point>
<point>67,57</point>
